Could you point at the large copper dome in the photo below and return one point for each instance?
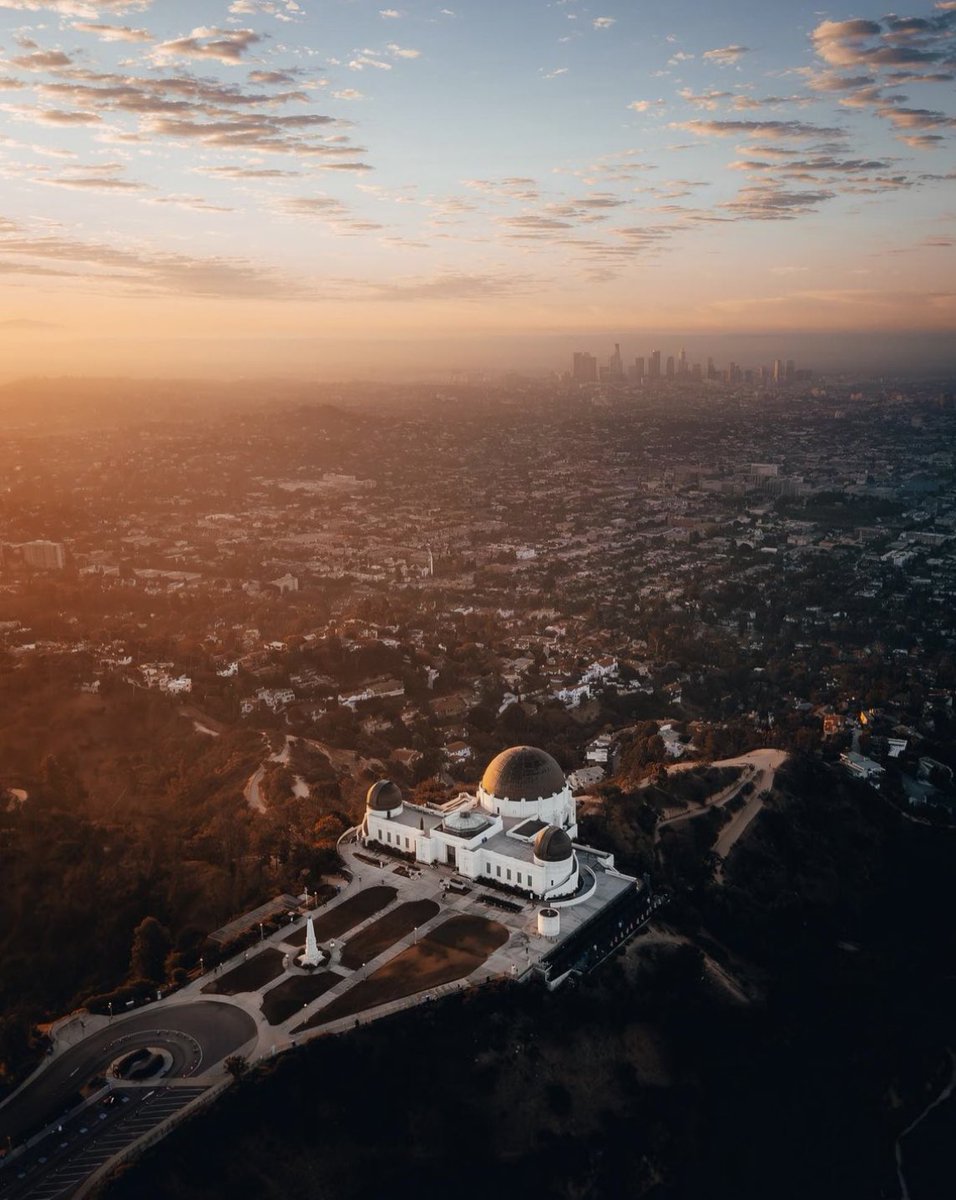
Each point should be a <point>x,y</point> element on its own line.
<point>523,773</point>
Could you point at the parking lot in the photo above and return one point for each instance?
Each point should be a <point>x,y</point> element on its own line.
<point>57,1166</point>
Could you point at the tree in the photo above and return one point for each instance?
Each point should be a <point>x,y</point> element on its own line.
<point>151,945</point>
<point>236,1065</point>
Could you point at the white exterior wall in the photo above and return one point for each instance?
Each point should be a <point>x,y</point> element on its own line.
<point>473,862</point>
<point>379,828</point>
<point>562,876</point>
<point>555,810</point>
<point>532,876</point>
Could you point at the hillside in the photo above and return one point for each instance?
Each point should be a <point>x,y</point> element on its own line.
<point>649,1079</point>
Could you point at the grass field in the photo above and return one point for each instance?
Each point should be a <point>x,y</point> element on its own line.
<point>347,915</point>
<point>289,996</point>
<point>386,931</point>
<point>249,976</point>
<point>452,951</point>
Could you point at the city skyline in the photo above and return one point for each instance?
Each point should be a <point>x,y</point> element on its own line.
<point>678,368</point>
<point>268,186</point>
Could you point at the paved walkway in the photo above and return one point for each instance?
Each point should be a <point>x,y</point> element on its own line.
<point>759,767</point>
<point>515,959</point>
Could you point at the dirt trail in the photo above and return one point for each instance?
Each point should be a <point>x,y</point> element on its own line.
<point>759,768</point>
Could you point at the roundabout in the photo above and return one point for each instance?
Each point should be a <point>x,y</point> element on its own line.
<point>195,1036</point>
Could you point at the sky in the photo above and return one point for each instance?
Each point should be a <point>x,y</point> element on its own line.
<point>331,186</point>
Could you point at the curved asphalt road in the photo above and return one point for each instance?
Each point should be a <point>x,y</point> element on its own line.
<point>212,1028</point>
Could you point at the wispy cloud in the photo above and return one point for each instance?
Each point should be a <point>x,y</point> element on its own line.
<point>78,8</point>
<point>726,56</point>
<point>113,33</point>
<point>207,42</point>
<point>759,129</point>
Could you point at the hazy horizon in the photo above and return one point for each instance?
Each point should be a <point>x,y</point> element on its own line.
<point>299,360</point>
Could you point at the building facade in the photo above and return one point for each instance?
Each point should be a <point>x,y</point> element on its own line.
<point>517,831</point>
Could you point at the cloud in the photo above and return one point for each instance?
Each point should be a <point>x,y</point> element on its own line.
<point>794,166</point>
<point>366,59</point>
<point>707,100</point>
<point>831,81</point>
<point>924,141</point>
<point>207,42</point>
<point>454,286</point>
<point>139,271</point>
<point>913,45</point>
<point>186,107</point>
<point>840,42</point>
<point>511,187</point>
<point>52,116</point>
<point>390,14</point>
<point>726,56</point>
<point>604,22</point>
<point>43,60</point>
<point>271,77</point>
<point>282,10</point>
<point>78,8</point>
<point>192,203</point>
<point>96,178</point>
<point>532,225</point>
<point>113,33</point>
<point>895,41</point>
<point>916,118</point>
<point>642,106</point>
<point>768,202</point>
<point>252,132</point>
<point>898,78</point>
<point>331,211</point>
<point>758,129</point>
<point>402,51</point>
<point>249,172</point>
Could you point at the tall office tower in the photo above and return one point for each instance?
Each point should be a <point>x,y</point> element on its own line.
<point>711,369</point>
<point>682,362</point>
<point>616,366</point>
<point>584,368</point>
<point>655,372</point>
<point>639,368</point>
<point>696,372</point>
<point>732,373</point>
<point>669,369</point>
<point>777,370</point>
<point>764,375</point>
<point>791,369</point>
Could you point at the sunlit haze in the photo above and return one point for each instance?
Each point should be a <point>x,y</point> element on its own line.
<point>339,187</point>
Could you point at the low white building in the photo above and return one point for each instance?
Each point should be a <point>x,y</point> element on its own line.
<point>518,830</point>
<point>861,766</point>
<point>599,750</point>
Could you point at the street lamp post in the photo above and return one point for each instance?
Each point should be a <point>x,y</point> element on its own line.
<point>261,935</point>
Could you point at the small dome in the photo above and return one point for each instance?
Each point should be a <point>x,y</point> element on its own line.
<point>383,796</point>
<point>523,773</point>
<point>552,845</point>
<point>466,821</point>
